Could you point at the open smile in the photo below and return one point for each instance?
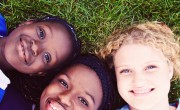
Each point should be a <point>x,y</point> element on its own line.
<point>54,105</point>
<point>23,51</point>
<point>141,92</point>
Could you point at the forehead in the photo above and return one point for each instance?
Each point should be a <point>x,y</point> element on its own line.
<point>137,53</point>
<point>61,41</point>
<point>80,70</point>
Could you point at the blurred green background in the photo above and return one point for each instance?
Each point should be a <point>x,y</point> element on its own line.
<point>94,20</point>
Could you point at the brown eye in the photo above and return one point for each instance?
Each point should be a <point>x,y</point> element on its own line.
<point>46,57</point>
<point>83,101</point>
<point>41,33</point>
<point>63,83</point>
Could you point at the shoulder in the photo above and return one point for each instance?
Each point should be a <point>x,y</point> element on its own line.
<point>178,104</point>
<point>125,107</point>
<point>14,98</point>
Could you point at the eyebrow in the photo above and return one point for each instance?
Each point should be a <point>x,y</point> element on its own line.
<point>120,66</point>
<point>127,65</point>
<point>66,75</point>
<point>90,96</point>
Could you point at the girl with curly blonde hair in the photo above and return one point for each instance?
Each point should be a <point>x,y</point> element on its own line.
<point>145,57</point>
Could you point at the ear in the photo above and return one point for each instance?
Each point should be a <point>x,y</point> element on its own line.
<point>27,22</point>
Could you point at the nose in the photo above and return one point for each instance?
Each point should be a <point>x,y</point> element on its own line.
<point>66,98</point>
<point>34,47</point>
<point>139,78</point>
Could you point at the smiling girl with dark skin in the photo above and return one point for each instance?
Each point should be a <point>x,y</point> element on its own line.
<point>35,48</point>
<point>84,85</point>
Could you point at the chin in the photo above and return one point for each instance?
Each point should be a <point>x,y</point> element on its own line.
<point>142,106</point>
<point>41,106</point>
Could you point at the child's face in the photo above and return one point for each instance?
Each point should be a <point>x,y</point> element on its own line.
<point>143,76</point>
<point>78,88</point>
<point>36,47</point>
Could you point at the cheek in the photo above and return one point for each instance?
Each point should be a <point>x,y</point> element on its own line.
<point>38,66</point>
<point>162,77</point>
<point>164,87</point>
<point>45,92</point>
<point>121,84</point>
<point>14,33</point>
<point>163,80</point>
<point>50,89</point>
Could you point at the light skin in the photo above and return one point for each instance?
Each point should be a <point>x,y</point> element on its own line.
<point>35,47</point>
<point>73,89</point>
<point>143,77</point>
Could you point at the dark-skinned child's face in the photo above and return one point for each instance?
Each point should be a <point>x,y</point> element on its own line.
<point>77,88</point>
<point>37,47</point>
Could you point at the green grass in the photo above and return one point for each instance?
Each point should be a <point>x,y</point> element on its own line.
<point>94,20</point>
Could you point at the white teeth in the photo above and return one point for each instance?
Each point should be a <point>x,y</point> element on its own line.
<point>23,50</point>
<point>141,91</point>
<point>54,108</point>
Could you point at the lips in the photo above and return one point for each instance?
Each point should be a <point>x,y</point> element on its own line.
<point>141,92</point>
<point>54,105</point>
<point>23,50</point>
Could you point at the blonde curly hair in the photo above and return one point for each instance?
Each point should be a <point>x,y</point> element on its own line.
<point>154,34</point>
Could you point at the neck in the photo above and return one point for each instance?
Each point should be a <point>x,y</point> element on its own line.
<point>162,105</point>
<point>4,65</point>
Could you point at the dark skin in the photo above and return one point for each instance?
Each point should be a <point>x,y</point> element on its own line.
<point>23,51</point>
<point>4,65</point>
<point>34,47</point>
<point>69,90</point>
